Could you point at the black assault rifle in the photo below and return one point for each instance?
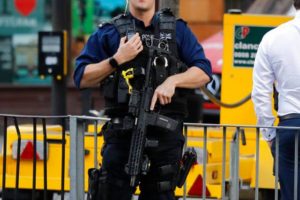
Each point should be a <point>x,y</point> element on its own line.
<point>139,109</point>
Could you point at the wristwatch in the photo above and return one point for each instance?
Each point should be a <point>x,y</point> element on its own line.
<point>112,61</point>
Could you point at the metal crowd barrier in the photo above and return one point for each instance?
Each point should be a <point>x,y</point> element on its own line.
<point>77,126</point>
<point>77,132</point>
<point>14,120</point>
<point>234,154</point>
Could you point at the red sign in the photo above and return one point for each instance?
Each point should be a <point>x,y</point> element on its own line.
<point>25,7</point>
<point>28,152</point>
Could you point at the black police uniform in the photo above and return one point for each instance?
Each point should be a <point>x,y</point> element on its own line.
<point>160,181</point>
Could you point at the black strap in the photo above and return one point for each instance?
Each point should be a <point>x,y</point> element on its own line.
<point>162,186</point>
<point>289,116</point>
<point>168,176</point>
<point>123,23</point>
<point>167,26</point>
<point>167,20</point>
<point>166,170</point>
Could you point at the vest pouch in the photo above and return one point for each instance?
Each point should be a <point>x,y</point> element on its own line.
<point>176,66</point>
<point>109,89</point>
<point>123,94</point>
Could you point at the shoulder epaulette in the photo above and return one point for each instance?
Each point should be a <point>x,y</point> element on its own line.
<point>112,21</point>
<point>122,22</point>
<point>102,24</point>
<point>120,16</point>
<point>166,11</point>
<point>167,20</point>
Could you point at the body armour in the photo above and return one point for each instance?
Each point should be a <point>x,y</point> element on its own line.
<point>166,62</point>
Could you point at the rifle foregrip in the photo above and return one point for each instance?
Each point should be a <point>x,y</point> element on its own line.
<point>162,121</point>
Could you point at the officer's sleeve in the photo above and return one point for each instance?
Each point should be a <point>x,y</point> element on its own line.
<point>96,49</point>
<point>189,49</point>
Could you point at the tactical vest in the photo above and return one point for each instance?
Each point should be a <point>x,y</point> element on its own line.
<point>166,63</point>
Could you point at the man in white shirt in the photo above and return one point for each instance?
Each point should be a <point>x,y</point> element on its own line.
<point>278,62</point>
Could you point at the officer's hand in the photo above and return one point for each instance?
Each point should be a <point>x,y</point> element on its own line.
<point>163,93</point>
<point>128,50</point>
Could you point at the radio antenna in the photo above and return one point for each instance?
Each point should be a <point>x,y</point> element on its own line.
<point>126,7</point>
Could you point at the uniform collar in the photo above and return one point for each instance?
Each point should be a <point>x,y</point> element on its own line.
<point>141,23</point>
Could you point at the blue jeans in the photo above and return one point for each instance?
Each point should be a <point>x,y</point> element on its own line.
<point>287,158</point>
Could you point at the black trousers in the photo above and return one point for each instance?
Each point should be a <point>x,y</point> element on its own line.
<point>115,156</point>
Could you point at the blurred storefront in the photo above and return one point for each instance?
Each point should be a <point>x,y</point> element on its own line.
<point>20,21</point>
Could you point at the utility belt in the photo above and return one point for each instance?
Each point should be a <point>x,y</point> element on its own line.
<point>98,178</point>
<point>115,133</point>
<point>127,123</point>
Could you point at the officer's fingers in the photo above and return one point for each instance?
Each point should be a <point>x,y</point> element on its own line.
<point>140,44</point>
<point>169,100</point>
<point>123,39</point>
<point>162,100</point>
<point>137,42</point>
<point>153,101</point>
<point>132,46</point>
<point>135,38</point>
<point>140,48</point>
<point>136,46</point>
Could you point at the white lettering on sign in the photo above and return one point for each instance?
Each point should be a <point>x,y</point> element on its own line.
<point>243,62</point>
<point>239,54</point>
<point>17,22</point>
<point>246,46</point>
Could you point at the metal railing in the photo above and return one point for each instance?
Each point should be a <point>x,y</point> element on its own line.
<point>77,132</point>
<point>234,181</point>
<point>77,127</point>
<point>13,120</point>
<point>235,154</point>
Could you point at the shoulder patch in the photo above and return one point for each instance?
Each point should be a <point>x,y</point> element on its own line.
<point>113,20</point>
<point>123,23</point>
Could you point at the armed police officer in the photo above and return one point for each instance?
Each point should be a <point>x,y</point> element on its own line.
<point>116,57</point>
